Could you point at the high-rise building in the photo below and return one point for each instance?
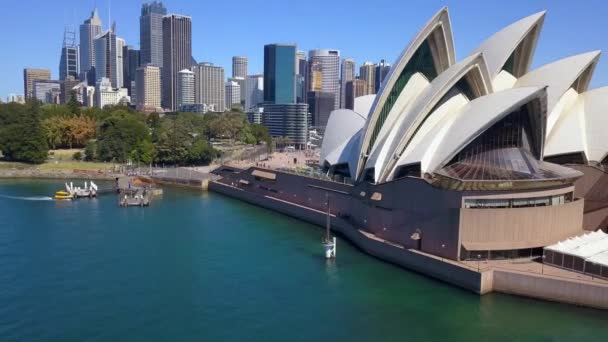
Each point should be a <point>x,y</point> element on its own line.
<point>209,86</point>
<point>69,62</point>
<point>29,76</point>
<point>242,84</point>
<point>177,54</point>
<point>239,67</point>
<point>67,85</point>
<point>315,76</point>
<point>320,104</point>
<point>289,120</point>
<point>148,88</point>
<point>90,29</point>
<point>300,63</point>
<point>185,88</point>
<point>233,94</point>
<point>279,73</point>
<point>151,33</point>
<point>47,91</point>
<point>382,70</point>
<point>347,74</point>
<point>131,62</point>
<point>109,57</point>
<point>328,62</point>
<point>17,98</point>
<point>254,91</point>
<point>354,89</point>
<point>367,72</point>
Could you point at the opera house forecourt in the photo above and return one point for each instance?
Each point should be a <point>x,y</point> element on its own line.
<point>453,163</point>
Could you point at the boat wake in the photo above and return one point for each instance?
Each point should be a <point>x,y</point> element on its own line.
<point>32,198</point>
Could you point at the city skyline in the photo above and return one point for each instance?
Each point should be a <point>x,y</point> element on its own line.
<point>364,44</point>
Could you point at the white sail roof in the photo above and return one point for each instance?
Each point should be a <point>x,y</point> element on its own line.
<point>474,119</point>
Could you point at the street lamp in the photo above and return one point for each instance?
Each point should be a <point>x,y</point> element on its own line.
<point>442,249</point>
<point>478,262</point>
<point>542,264</point>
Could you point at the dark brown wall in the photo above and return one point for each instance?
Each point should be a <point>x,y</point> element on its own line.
<point>593,186</point>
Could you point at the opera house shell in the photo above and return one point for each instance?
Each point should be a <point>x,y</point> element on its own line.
<point>472,157</point>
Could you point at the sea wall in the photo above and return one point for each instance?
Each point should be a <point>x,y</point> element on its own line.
<point>578,292</point>
<point>444,270</point>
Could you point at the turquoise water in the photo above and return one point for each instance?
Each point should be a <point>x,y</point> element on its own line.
<point>209,268</point>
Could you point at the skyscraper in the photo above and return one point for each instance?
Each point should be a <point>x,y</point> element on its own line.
<point>354,89</point>
<point>382,70</point>
<point>151,33</point>
<point>289,120</point>
<point>254,91</point>
<point>90,29</point>
<point>279,73</point>
<point>321,104</point>
<point>69,63</point>
<point>239,66</point>
<point>329,63</point>
<point>29,76</point>
<point>301,63</point>
<point>148,88</point>
<point>347,74</point>
<point>367,72</point>
<point>185,88</point>
<point>47,91</point>
<point>131,62</point>
<point>66,87</point>
<point>177,54</point>
<point>209,86</point>
<point>233,94</point>
<point>109,58</point>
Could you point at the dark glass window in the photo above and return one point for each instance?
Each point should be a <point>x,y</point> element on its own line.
<point>421,61</point>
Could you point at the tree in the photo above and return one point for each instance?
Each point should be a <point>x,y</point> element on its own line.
<point>73,104</point>
<point>200,152</point>
<point>77,156</point>
<point>22,137</point>
<point>119,135</point>
<point>90,151</point>
<point>144,152</point>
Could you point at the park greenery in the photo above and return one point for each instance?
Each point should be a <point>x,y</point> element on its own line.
<point>120,134</point>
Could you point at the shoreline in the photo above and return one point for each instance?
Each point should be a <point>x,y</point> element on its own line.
<point>44,174</point>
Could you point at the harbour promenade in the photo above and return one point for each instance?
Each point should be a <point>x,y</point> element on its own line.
<point>524,277</point>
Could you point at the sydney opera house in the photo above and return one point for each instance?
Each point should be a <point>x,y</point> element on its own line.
<point>478,158</point>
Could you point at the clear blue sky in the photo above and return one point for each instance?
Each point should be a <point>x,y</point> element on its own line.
<point>365,30</point>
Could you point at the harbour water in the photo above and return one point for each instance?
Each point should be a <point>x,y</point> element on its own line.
<point>205,267</point>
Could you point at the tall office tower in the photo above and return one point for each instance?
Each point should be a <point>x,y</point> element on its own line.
<point>47,91</point>
<point>209,86</point>
<point>29,76</point>
<point>321,104</point>
<point>185,88</point>
<point>69,63</point>
<point>354,89</point>
<point>288,120</point>
<point>300,89</point>
<point>177,54</point>
<point>151,33</point>
<point>131,62</point>
<point>148,88</point>
<point>233,94</point>
<point>279,73</point>
<point>347,74</point>
<point>90,29</point>
<point>300,63</point>
<point>329,62</point>
<point>242,84</point>
<point>254,91</point>
<point>239,67</point>
<point>367,72</point>
<point>315,76</point>
<point>382,70</point>
<point>66,87</point>
<point>109,58</point>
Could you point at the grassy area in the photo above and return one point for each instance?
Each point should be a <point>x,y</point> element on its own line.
<point>13,165</point>
<point>72,165</point>
<point>64,155</point>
